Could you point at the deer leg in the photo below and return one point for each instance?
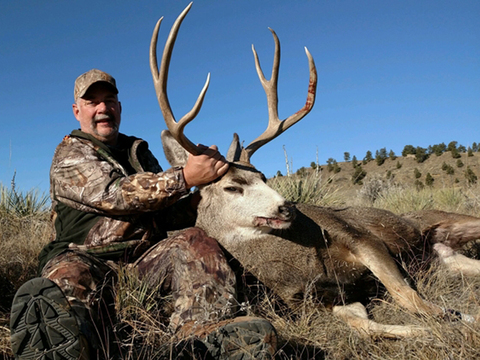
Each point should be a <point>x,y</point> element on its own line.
<point>378,260</point>
<point>456,263</point>
<point>355,315</point>
<point>455,230</point>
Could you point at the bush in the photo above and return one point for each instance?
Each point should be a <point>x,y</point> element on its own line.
<point>375,187</point>
<point>417,173</point>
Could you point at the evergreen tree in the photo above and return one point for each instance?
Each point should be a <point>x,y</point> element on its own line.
<point>475,147</point>
<point>330,163</point>
<point>455,154</point>
<point>399,164</point>
<point>368,156</point>
<point>392,155</point>
<point>439,149</point>
<point>452,146</point>
<point>459,163</point>
<point>469,152</point>
<point>461,149</point>
<point>429,180</point>
<point>408,150</point>
<point>381,156</point>
<point>358,175</point>
<point>354,161</point>
<point>421,154</point>
<point>470,176</point>
<point>346,156</point>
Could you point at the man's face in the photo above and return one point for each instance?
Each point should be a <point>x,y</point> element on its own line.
<point>98,112</point>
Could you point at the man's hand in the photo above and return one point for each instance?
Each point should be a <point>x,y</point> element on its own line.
<point>204,168</point>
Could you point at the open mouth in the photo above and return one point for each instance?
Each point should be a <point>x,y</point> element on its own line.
<point>274,223</point>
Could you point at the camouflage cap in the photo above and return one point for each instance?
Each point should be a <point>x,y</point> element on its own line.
<point>89,78</point>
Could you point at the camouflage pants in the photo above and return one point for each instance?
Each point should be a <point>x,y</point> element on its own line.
<point>190,266</point>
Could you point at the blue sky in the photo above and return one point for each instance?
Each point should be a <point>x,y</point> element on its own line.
<point>391,73</point>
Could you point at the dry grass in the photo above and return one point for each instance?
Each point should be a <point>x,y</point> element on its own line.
<point>312,332</point>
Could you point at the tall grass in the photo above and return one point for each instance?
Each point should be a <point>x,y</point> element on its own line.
<point>310,188</point>
<point>22,204</point>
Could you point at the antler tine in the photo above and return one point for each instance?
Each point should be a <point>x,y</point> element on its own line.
<point>275,125</point>
<point>160,81</point>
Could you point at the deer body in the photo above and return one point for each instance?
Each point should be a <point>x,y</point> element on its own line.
<point>291,249</point>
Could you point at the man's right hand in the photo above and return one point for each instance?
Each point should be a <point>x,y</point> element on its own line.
<point>204,168</point>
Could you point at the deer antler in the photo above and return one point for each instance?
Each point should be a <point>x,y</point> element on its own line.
<point>275,125</point>
<point>160,82</point>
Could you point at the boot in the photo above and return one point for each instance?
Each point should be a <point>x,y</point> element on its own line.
<point>241,338</point>
<point>43,324</point>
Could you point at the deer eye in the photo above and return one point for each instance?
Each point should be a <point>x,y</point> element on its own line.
<point>233,189</point>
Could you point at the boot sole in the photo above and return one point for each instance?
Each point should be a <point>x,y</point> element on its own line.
<point>42,323</point>
<point>242,341</point>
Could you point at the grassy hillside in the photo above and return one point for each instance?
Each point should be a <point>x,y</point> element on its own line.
<point>401,171</point>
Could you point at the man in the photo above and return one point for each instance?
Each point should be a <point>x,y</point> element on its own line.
<point>112,204</point>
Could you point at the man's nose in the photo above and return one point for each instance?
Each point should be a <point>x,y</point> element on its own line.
<point>101,107</point>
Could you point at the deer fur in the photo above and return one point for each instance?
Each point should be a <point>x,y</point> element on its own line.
<point>292,248</point>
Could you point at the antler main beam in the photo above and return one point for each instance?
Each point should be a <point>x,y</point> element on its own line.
<point>275,125</point>
<point>160,81</point>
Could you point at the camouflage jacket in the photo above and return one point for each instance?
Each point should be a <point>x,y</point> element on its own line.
<point>112,202</point>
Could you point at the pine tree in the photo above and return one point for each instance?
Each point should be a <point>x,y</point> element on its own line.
<point>346,156</point>
<point>452,146</point>
<point>392,155</point>
<point>421,154</point>
<point>429,180</point>
<point>470,176</point>
<point>368,156</point>
<point>381,156</point>
<point>354,161</point>
<point>408,150</point>
<point>455,154</point>
<point>358,175</point>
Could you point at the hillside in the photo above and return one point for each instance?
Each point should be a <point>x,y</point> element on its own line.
<point>401,171</point>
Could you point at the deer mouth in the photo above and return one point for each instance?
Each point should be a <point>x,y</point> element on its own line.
<point>274,223</point>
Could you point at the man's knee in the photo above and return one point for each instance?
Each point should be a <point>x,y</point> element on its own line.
<point>78,275</point>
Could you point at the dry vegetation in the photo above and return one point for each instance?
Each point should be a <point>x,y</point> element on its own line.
<point>311,333</point>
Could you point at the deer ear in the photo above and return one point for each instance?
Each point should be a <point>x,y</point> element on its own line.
<point>234,150</point>
<point>175,154</point>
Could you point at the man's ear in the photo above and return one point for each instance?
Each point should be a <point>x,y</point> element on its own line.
<point>75,111</point>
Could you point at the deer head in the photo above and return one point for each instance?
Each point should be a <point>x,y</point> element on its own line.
<point>251,203</point>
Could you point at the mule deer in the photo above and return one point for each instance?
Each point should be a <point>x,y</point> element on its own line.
<point>290,248</point>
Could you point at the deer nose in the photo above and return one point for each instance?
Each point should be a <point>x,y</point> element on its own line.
<point>286,210</point>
